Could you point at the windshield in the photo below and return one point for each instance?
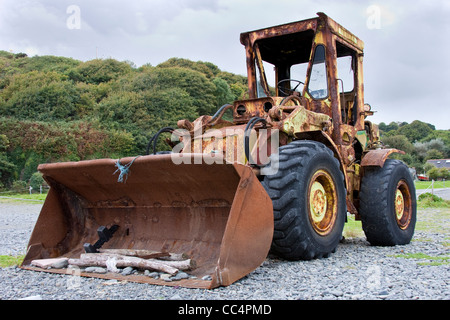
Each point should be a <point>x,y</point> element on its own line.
<point>265,79</point>
<point>281,63</point>
<point>318,84</point>
<point>292,81</point>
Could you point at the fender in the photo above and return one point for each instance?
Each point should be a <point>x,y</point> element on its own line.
<point>376,158</point>
<point>320,136</point>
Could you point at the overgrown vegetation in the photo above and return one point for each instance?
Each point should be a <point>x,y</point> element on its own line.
<point>421,142</point>
<point>428,200</point>
<point>61,109</point>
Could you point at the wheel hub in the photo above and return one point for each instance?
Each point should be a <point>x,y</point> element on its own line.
<point>399,204</point>
<point>322,202</point>
<point>318,201</point>
<point>402,204</point>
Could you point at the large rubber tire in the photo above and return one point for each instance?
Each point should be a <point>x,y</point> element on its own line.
<point>388,204</point>
<point>306,224</point>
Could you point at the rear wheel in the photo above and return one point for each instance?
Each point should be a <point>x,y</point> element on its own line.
<point>388,204</point>
<point>308,195</point>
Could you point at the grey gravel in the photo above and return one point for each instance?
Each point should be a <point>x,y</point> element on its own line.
<point>95,270</point>
<point>356,271</point>
<point>16,224</point>
<point>127,271</point>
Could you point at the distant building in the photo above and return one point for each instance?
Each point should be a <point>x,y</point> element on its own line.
<point>440,163</point>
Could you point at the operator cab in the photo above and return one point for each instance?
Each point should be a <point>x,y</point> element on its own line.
<point>316,60</point>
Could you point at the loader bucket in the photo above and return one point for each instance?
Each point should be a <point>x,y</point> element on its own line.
<point>219,215</point>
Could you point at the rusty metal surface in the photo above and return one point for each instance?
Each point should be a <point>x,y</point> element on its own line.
<point>352,138</point>
<point>351,40</point>
<point>244,110</point>
<point>403,205</point>
<point>248,39</point>
<point>219,214</point>
<point>322,203</point>
<point>378,157</point>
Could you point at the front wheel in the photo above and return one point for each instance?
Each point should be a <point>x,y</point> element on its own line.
<point>388,204</point>
<point>308,196</point>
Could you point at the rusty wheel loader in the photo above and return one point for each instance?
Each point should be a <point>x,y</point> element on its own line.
<point>279,177</point>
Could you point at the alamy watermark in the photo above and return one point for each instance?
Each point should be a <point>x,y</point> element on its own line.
<point>227,145</point>
<point>373,17</point>
<point>373,280</point>
<point>74,280</point>
<point>73,21</point>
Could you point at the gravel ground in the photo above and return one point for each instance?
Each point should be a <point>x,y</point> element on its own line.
<point>356,271</point>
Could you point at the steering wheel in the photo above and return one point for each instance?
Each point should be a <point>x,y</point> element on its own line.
<point>291,90</point>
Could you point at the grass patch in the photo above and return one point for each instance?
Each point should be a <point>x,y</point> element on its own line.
<point>9,261</point>
<point>436,185</point>
<point>353,228</point>
<point>434,260</point>
<point>22,198</point>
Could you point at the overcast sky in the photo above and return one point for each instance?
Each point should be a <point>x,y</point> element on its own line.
<point>406,62</point>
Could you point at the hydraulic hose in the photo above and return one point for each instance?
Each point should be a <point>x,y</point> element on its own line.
<point>247,132</point>
<point>154,139</point>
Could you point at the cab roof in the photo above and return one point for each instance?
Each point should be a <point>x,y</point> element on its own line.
<point>293,32</point>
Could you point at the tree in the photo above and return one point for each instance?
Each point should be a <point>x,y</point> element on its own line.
<point>420,150</point>
<point>223,92</point>
<point>382,126</point>
<point>407,158</point>
<point>10,64</point>
<point>36,180</point>
<point>433,154</point>
<point>167,107</point>
<point>444,173</point>
<point>40,96</point>
<point>98,70</point>
<point>399,142</point>
<point>6,167</point>
<point>61,109</point>
<point>32,143</point>
<point>127,109</point>
<point>195,83</point>
<point>6,171</point>
<point>392,126</point>
<point>48,63</point>
<point>415,131</point>
<point>444,137</point>
<point>433,173</point>
<point>432,149</point>
<point>438,173</point>
<point>208,69</point>
<point>428,166</point>
<point>437,144</point>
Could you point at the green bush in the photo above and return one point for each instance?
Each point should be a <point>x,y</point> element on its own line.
<point>36,180</point>
<point>431,200</point>
<point>19,186</point>
<point>40,96</point>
